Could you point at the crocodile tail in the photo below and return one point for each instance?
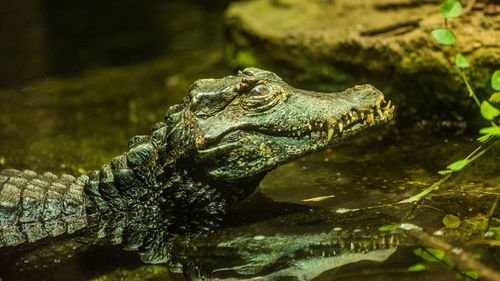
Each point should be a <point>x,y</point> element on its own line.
<point>37,206</point>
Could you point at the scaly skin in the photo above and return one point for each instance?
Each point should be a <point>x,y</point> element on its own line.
<point>210,152</point>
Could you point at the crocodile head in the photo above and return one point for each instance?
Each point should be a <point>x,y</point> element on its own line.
<point>240,127</point>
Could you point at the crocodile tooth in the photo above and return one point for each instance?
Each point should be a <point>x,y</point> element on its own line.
<point>379,112</point>
<point>368,118</point>
<point>330,133</point>
<point>341,127</point>
<point>321,124</point>
<point>310,127</point>
<point>388,105</point>
<point>298,133</point>
<point>362,115</point>
<point>354,116</point>
<point>372,118</point>
<point>392,109</point>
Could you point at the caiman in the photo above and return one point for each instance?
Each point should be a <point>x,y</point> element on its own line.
<point>209,153</point>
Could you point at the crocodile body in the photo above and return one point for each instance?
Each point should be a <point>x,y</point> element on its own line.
<point>209,153</point>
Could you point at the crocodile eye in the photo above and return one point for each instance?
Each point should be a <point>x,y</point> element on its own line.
<point>260,98</point>
<point>260,90</point>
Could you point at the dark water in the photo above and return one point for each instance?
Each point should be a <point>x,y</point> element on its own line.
<point>112,79</point>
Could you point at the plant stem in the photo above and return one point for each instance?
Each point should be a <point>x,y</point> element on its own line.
<point>462,74</point>
<point>479,154</point>
<point>469,88</point>
<point>434,186</point>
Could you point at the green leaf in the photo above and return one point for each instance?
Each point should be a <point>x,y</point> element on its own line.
<point>444,172</point>
<point>495,97</point>
<point>484,138</point>
<point>444,36</point>
<point>457,165</point>
<point>451,221</point>
<point>389,227</point>
<point>494,130</point>
<point>461,61</point>
<point>417,267</point>
<point>489,111</point>
<point>450,8</point>
<point>429,254</point>
<point>495,80</point>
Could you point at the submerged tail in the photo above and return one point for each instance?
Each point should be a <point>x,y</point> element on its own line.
<point>34,206</point>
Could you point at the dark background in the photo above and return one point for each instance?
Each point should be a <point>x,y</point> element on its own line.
<point>41,38</point>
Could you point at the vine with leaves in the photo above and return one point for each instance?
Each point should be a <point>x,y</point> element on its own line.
<point>490,135</point>
<point>453,9</point>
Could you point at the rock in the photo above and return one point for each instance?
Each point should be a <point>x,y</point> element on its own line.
<point>387,43</point>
